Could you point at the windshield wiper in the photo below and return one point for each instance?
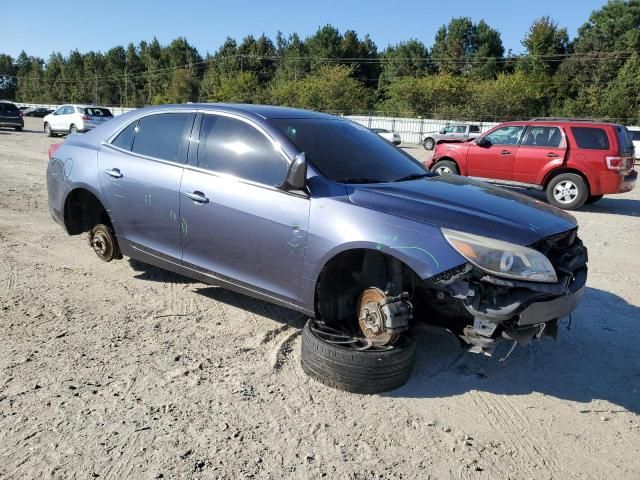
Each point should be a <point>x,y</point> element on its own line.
<point>413,176</point>
<point>363,180</point>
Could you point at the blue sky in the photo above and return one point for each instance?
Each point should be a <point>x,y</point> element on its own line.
<point>40,27</point>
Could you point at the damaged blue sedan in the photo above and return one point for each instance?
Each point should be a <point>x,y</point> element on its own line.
<point>321,215</point>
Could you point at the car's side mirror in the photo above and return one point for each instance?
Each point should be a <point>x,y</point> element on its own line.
<point>482,142</point>
<point>296,178</point>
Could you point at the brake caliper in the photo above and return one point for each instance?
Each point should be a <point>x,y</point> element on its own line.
<point>382,318</point>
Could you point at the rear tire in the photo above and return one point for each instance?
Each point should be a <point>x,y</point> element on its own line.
<point>593,199</point>
<point>18,129</point>
<point>429,143</point>
<point>567,191</point>
<point>445,167</point>
<point>357,371</point>
<point>47,130</point>
<point>104,243</point>
<point>73,129</point>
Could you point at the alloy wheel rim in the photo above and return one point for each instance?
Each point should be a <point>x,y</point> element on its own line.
<point>565,192</point>
<point>443,170</point>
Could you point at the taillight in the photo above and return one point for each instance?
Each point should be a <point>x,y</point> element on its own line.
<point>53,148</point>
<point>615,163</point>
<point>86,117</point>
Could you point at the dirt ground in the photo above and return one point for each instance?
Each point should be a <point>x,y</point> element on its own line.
<point>121,371</point>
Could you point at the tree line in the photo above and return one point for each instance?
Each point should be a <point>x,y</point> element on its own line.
<point>465,74</point>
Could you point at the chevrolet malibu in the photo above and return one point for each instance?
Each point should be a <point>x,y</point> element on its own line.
<point>321,215</point>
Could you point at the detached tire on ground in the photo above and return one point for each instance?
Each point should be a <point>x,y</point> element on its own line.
<point>357,371</point>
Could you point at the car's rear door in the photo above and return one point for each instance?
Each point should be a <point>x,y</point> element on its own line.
<point>542,144</point>
<point>140,173</point>
<point>236,225</point>
<point>494,160</point>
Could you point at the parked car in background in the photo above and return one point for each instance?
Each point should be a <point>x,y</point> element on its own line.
<point>458,132</point>
<point>635,138</point>
<point>10,116</point>
<point>319,214</point>
<point>39,112</point>
<point>75,119</point>
<point>392,137</point>
<point>574,161</point>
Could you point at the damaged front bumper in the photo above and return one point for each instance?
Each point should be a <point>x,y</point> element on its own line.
<point>489,309</point>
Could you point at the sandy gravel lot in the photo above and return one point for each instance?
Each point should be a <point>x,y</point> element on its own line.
<point>121,371</point>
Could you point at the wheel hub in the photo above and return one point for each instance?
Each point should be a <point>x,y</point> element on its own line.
<point>99,243</point>
<point>382,318</point>
<point>565,192</point>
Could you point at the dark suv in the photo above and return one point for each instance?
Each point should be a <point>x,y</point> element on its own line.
<point>10,116</point>
<point>573,161</point>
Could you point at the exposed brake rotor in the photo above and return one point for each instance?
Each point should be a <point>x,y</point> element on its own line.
<point>382,318</point>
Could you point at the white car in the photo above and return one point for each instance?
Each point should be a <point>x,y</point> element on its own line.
<point>393,137</point>
<point>75,119</point>
<point>634,133</point>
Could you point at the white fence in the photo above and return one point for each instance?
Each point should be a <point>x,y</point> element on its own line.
<point>411,130</point>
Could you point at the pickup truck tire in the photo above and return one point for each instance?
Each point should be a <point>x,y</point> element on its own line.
<point>429,143</point>
<point>357,371</point>
<point>593,199</point>
<point>567,191</point>
<point>444,167</point>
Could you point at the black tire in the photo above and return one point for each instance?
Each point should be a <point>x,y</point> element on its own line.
<point>567,191</point>
<point>357,371</point>
<point>73,129</point>
<point>429,143</point>
<point>104,243</point>
<point>47,130</point>
<point>18,129</point>
<point>594,199</point>
<point>445,165</point>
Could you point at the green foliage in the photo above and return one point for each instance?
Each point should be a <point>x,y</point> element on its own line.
<point>464,75</point>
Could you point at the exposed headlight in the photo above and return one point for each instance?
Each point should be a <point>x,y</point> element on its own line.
<point>502,259</point>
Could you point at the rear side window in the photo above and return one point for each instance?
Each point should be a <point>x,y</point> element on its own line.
<point>231,146</point>
<point>9,107</point>
<point>474,129</point>
<point>543,137</point>
<point>591,138</point>
<point>125,137</point>
<point>96,112</point>
<point>162,136</point>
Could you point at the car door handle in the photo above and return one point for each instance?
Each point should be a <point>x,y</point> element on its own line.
<point>505,152</point>
<point>552,155</point>
<point>196,196</point>
<point>113,172</point>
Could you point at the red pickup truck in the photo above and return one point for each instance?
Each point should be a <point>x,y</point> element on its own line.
<point>573,161</point>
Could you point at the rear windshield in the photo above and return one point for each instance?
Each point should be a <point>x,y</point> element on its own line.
<point>591,138</point>
<point>96,112</point>
<point>624,140</point>
<point>9,107</point>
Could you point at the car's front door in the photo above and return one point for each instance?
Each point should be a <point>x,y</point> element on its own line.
<point>57,119</point>
<point>541,145</point>
<point>494,158</point>
<point>235,223</point>
<point>140,173</point>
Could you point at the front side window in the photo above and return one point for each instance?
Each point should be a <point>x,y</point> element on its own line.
<point>543,137</point>
<point>460,129</point>
<point>60,111</point>
<point>162,136</point>
<point>591,138</point>
<point>346,152</point>
<point>505,135</point>
<point>234,147</point>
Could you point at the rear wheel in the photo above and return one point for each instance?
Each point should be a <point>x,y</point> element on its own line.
<point>73,129</point>
<point>104,243</point>
<point>18,129</point>
<point>47,130</point>
<point>567,191</point>
<point>445,167</point>
<point>594,199</point>
<point>429,143</point>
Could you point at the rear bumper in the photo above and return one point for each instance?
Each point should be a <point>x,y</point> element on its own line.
<point>11,123</point>
<point>612,182</point>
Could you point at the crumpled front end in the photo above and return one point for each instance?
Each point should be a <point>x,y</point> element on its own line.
<point>484,309</point>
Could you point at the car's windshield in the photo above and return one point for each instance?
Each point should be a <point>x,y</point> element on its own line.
<point>346,152</point>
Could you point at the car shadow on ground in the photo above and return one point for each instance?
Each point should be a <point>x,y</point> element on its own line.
<point>597,359</point>
<point>609,204</point>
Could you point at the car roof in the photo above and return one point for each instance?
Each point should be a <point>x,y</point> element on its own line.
<point>552,122</point>
<point>262,111</point>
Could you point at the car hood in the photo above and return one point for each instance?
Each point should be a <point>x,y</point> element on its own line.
<point>459,203</point>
